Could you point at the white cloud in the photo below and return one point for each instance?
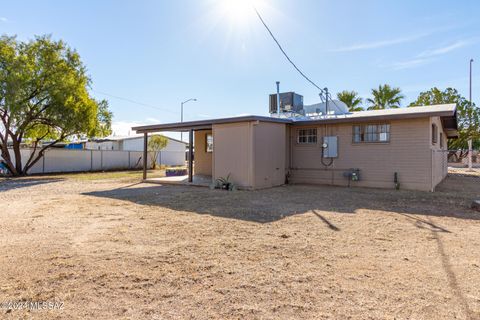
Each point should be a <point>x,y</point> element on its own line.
<point>428,56</point>
<point>446,49</point>
<point>203,115</point>
<point>124,128</point>
<point>153,120</point>
<point>380,44</point>
<point>409,64</point>
<point>3,19</point>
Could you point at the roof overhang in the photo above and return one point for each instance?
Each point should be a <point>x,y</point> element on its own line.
<point>450,125</point>
<point>447,114</point>
<point>203,124</point>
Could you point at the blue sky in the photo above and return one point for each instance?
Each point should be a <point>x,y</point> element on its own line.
<point>162,52</point>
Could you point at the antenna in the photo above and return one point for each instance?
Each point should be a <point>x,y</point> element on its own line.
<point>278,98</point>
<point>326,100</point>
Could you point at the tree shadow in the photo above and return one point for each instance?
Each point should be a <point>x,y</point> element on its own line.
<point>451,277</point>
<point>269,205</point>
<point>328,223</point>
<point>17,183</point>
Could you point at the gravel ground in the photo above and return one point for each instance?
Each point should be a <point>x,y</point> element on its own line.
<point>118,249</point>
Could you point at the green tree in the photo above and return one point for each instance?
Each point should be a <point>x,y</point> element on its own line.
<point>468,116</point>
<point>104,119</point>
<point>351,99</point>
<point>156,144</point>
<point>385,97</point>
<point>44,96</point>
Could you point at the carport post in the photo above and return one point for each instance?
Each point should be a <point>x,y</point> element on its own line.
<point>145,162</point>
<point>190,156</point>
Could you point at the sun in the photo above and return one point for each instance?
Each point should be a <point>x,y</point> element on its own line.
<point>238,12</point>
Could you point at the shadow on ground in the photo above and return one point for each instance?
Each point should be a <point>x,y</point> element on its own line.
<point>17,183</point>
<point>270,205</point>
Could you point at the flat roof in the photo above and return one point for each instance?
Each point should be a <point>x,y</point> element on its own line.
<point>204,124</point>
<point>447,111</point>
<point>440,110</point>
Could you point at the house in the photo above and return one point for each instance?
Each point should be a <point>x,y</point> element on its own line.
<point>172,154</point>
<point>378,148</point>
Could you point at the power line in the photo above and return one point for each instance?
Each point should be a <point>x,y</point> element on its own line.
<point>134,102</point>
<point>285,54</point>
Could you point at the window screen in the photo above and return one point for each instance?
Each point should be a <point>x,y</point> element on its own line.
<point>209,143</point>
<point>371,133</point>
<point>434,133</point>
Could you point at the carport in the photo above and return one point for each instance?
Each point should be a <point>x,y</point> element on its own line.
<point>190,127</point>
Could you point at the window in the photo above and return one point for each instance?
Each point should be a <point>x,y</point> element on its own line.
<point>441,140</point>
<point>371,133</point>
<point>209,142</point>
<point>307,136</point>
<point>434,133</point>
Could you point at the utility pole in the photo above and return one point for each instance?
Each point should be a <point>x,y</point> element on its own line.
<point>470,140</point>
<point>181,114</point>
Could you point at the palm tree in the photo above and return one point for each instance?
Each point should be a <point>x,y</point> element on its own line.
<point>385,97</point>
<point>351,99</point>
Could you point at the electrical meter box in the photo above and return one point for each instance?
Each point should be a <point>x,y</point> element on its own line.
<point>330,147</point>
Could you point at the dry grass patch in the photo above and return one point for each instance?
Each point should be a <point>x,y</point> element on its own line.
<point>125,250</point>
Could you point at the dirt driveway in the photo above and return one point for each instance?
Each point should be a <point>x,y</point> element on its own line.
<point>117,249</point>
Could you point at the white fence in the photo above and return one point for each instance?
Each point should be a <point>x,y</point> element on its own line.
<point>71,160</point>
<point>459,158</point>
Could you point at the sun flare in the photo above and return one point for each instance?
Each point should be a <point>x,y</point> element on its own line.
<point>238,12</point>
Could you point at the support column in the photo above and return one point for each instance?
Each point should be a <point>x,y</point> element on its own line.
<point>470,151</point>
<point>190,156</point>
<point>145,154</point>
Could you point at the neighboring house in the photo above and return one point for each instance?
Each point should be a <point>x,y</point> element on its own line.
<point>173,154</point>
<point>261,152</point>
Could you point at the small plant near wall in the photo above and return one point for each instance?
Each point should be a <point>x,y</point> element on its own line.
<point>224,183</point>
<point>175,172</point>
<point>395,181</point>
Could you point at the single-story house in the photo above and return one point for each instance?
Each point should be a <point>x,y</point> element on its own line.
<point>378,148</point>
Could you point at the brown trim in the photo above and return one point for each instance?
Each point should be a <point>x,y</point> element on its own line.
<point>204,124</point>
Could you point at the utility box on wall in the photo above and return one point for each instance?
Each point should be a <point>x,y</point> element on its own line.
<point>330,147</point>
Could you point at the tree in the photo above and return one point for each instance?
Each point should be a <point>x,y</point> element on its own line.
<point>385,97</point>
<point>156,144</point>
<point>44,96</point>
<point>351,99</point>
<point>468,116</point>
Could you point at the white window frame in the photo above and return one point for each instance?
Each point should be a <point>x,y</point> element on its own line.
<point>307,136</point>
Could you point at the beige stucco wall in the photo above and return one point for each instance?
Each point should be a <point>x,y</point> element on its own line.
<point>233,152</point>
<point>407,153</point>
<point>259,154</point>
<point>253,153</point>
<point>202,158</point>
<point>269,154</point>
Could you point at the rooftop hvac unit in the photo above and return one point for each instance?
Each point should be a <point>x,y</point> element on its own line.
<point>289,102</point>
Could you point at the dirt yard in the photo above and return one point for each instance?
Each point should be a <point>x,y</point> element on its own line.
<point>118,249</point>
